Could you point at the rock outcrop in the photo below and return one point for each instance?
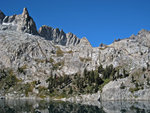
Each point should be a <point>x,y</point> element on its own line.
<point>22,23</point>
<point>58,37</point>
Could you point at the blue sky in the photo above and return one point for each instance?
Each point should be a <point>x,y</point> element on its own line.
<point>100,21</point>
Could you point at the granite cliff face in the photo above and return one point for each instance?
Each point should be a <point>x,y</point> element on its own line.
<point>22,23</point>
<point>35,55</point>
<point>58,37</point>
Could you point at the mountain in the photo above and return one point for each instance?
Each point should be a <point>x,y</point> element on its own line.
<point>58,37</point>
<point>22,23</point>
<point>52,63</point>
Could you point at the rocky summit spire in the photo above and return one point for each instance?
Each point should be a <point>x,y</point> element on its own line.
<point>2,16</point>
<point>25,13</point>
<point>22,23</point>
<point>27,23</point>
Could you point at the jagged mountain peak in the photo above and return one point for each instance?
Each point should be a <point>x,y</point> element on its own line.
<point>25,13</point>
<point>143,31</point>
<point>142,36</point>
<point>84,38</point>
<point>44,27</point>
<point>22,23</point>
<point>85,41</point>
<point>58,36</point>
<point>25,24</point>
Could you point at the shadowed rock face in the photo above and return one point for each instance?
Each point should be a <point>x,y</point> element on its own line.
<point>22,23</point>
<point>2,16</point>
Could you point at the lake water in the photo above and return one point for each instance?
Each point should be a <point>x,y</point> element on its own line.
<point>33,106</point>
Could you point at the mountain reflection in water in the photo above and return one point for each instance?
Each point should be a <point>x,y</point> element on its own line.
<point>35,106</point>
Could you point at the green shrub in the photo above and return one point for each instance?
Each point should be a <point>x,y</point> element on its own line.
<point>132,90</point>
<point>28,88</point>
<point>122,86</point>
<point>70,51</point>
<point>9,81</point>
<point>58,65</point>
<point>42,88</point>
<point>51,60</point>
<point>43,92</point>
<point>148,81</point>
<point>70,90</point>
<point>22,69</point>
<point>85,59</point>
<point>106,81</point>
<point>40,60</point>
<point>59,52</point>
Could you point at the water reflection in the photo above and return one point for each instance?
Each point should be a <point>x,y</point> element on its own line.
<point>126,107</point>
<point>34,106</point>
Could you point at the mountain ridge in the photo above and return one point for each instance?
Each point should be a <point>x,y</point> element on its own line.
<point>25,23</point>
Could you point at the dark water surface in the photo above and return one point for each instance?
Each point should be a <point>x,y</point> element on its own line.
<point>34,106</point>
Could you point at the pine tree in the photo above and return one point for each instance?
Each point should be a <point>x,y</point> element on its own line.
<point>100,69</point>
<point>122,86</point>
<point>85,73</point>
<point>118,75</point>
<point>147,80</point>
<point>124,72</point>
<point>96,89</point>
<point>132,79</point>
<point>92,77</point>
<point>50,84</point>
<point>70,90</point>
